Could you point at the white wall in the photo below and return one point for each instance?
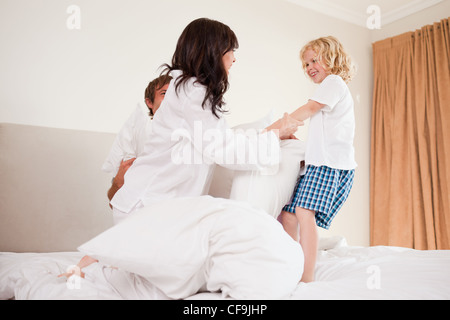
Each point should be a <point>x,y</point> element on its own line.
<point>416,21</point>
<point>92,78</point>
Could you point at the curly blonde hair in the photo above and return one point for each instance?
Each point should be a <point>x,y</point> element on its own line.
<point>332,57</point>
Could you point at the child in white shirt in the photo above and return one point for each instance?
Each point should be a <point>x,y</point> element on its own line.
<point>329,157</point>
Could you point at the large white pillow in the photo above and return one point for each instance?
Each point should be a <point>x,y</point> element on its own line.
<point>271,191</point>
<point>252,257</point>
<point>183,245</point>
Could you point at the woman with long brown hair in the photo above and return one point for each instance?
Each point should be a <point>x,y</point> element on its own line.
<point>190,135</point>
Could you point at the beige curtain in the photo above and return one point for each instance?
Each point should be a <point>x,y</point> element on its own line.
<point>410,143</point>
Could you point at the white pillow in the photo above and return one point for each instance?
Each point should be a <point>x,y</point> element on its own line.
<point>262,123</point>
<point>185,244</point>
<point>252,257</point>
<point>271,192</point>
<point>223,177</point>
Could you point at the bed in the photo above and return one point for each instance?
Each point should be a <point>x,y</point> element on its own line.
<point>229,246</point>
<point>342,272</point>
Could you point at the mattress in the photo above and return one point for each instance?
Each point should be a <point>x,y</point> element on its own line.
<point>211,248</point>
<point>342,272</point>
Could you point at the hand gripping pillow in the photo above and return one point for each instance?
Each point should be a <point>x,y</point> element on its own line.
<point>271,191</point>
<point>185,244</point>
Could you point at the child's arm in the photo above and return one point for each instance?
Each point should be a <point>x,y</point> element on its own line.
<point>307,110</point>
<point>285,127</point>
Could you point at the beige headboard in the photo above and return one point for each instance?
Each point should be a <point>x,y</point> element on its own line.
<point>52,189</point>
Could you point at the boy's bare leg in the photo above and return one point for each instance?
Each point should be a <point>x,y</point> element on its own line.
<point>290,224</point>
<point>308,240</point>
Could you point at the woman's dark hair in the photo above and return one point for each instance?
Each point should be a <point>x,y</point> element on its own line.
<point>199,53</point>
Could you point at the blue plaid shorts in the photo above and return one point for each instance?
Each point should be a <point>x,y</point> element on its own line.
<point>323,190</point>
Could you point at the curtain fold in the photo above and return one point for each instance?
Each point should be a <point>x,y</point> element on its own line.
<point>410,141</point>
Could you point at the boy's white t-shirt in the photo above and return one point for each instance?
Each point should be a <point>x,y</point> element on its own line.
<point>130,141</point>
<point>331,130</point>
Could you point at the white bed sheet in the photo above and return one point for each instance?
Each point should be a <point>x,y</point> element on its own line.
<point>379,273</point>
<point>342,272</point>
<point>34,276</point>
